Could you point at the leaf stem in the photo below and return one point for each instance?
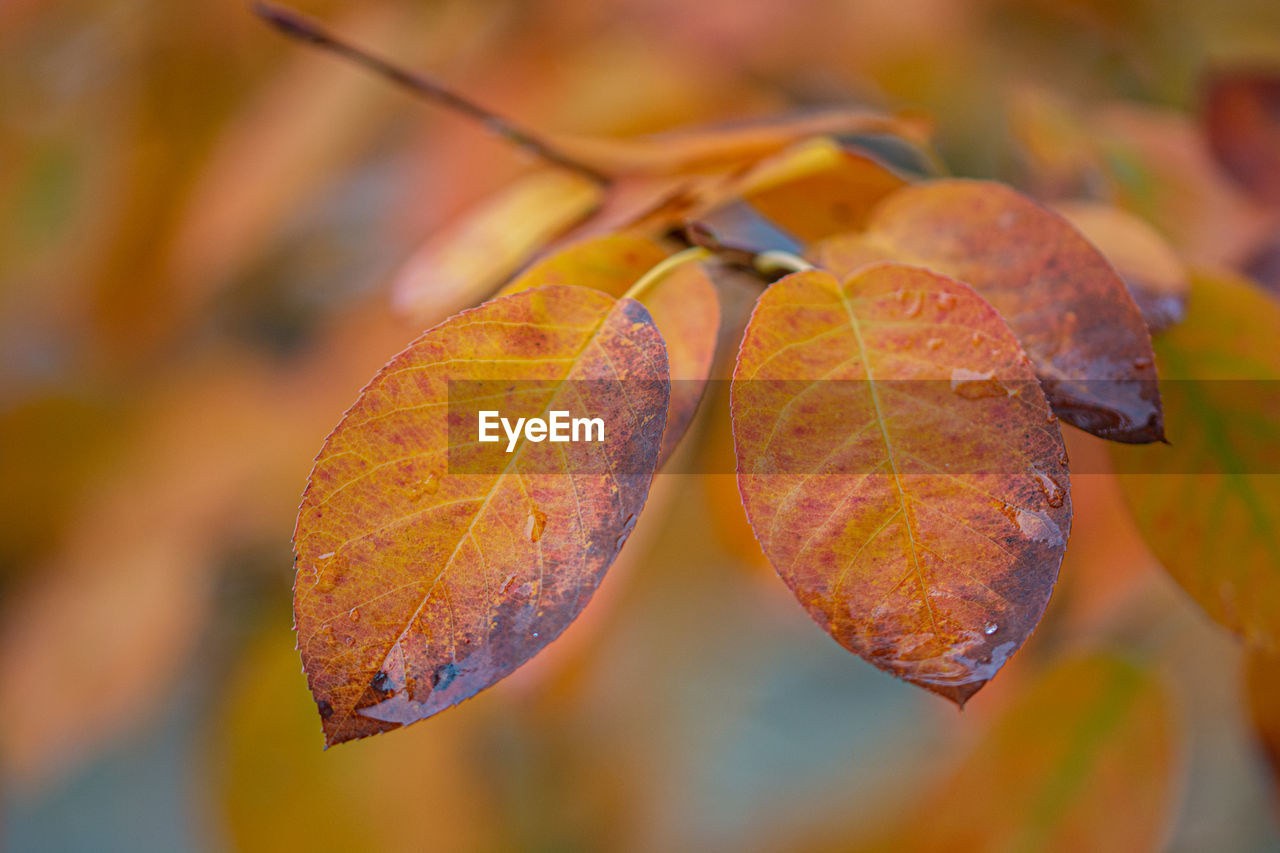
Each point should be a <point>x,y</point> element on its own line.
<point>774,261</point>
<point>298,26</point>
<point>664,268</point>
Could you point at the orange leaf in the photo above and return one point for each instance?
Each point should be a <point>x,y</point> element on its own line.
<point>684,306</point>
<point>1209,505</point>
<point>1242,118</point>
<point>655,183</point>
<point>1157,278</point>
<point>901,469</point>
<point>1070,310</point>
<point>830,201</point>
<point>702,148</point>
<point>425,577</point>
<point>468,261</point>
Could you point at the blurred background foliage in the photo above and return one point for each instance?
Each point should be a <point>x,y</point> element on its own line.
<point>198,223</point>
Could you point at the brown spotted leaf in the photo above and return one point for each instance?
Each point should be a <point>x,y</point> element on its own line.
<point>901,469</point>
<point>1068,307</point>
<point>684,306</point>
<point>431,565</point>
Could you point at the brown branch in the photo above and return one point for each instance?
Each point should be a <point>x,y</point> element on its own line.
<point>302,28</point>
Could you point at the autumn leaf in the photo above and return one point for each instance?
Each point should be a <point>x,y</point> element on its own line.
<point>1070,310</point>
<point>830,200</point>
<point>470,259</point>
<point>648,186</point>
<point>1091,733</point>
<point>1159,166</point>
<point>420,584</point>
<point>1209,505</point>
<point>684,307</point>
<point>730,144</point>
<point>1157,278</point>
<point>1242,121</point>
<point>901,469</point>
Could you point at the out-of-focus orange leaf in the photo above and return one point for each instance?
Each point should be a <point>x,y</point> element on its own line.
<point>1156,276</point>
<point>830,201</point>
<point>1242,120</point>
<point>901,469</point>
<point>730,144</point>
<point>684,306</point>
<point>1160,168</point>
<point>116,607</point>
<point>654,183</point>
<point>50,446</point>
<point>1060,154</point>
<point>310,120</point>
<point>428,568</point>
<point>1209,505</point>
<point>1087,759</point>
<point>467,261</point>
<point>1070,310</point>
<point>1262,693</point>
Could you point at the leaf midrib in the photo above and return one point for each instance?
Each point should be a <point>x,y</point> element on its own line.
<point>888,447</point>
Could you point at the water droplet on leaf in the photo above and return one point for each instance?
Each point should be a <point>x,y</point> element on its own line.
<point>975,384</point>
<point>913,307</point>
<point>535,524</point>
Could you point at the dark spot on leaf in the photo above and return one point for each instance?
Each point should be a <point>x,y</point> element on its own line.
<point>326,710</point>
<point>444,675</point>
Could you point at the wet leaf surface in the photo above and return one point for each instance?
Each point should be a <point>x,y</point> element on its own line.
<point>684,306</point>
<point>1070,310</point>
<point>429,569</point>
<point>1209,504</point>
<point>901,469</point>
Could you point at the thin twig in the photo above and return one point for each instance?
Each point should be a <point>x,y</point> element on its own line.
<point>302,28</point>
